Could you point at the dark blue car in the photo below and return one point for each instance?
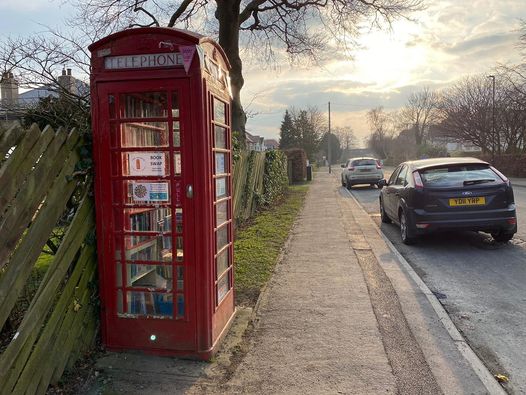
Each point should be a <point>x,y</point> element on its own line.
<point>429,195</point>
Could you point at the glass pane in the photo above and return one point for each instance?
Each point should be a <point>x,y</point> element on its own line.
<point>148,219</point>
<point>223,286</point>
<point>111,102</point>
<point>219,111</point>
<point>148,248</point>
<point>145,163</point>
<point>177,134</point>
<point>118,248</point>
<point>149,276</point>
<point>144,134</point>
<point>150,303</point>
<point>180,278</point>
<point>144,105</point>
<point>175,105</point>
<point>221,213</point>
<point>180,306</point>
<point>118,275</point>
<point>220,163</point>
<point>222,262</point>
<point>114,134</point>
<point>180,251</point>
<point>459,176</point>
<point>221,188</point>
<point>221,238</point>
<point>220,137</point>
<point>120,304</point>
<point>177,163</point>
<point>147,192</point>
<point>179,220</point>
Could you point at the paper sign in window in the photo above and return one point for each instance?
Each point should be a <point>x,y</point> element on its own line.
<point>150,191</point>
<point>147,163</point>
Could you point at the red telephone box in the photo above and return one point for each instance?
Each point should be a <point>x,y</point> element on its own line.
<point>163,167</point>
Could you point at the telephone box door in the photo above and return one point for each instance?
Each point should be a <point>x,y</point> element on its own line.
<point>147,210</point>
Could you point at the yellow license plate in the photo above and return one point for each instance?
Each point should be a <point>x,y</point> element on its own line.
<point>468,201</point>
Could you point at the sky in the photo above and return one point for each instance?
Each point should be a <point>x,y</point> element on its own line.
<point>447,41</point>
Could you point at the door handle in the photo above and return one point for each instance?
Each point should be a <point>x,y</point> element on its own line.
<point>189,191</point>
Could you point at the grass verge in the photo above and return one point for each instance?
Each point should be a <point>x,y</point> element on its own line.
<point>258,244</point>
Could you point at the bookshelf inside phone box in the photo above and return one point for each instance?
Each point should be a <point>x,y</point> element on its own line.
<point>161,119</point>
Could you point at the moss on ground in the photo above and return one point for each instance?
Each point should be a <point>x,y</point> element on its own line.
<point>258,244</point>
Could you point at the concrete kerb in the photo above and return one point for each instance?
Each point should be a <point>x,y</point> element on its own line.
<point>474,361</point>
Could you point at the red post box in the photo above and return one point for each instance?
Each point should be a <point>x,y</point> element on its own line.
<point>163,184</point>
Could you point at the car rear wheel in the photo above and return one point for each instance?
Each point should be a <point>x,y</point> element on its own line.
<point>383,215</point>
<point>343,182</point>
<point>349,184</point>
<point>404,229</point>
<point>502,237</point>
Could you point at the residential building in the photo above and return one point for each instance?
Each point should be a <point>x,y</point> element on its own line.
<point>271,144</point>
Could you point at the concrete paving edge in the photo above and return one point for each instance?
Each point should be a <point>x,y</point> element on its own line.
<point>485,376</point>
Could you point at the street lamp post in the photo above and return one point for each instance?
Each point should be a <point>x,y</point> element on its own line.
<point>329,140</point>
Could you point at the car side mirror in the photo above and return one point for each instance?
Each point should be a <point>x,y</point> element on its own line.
<point>342,165</point>
<point>382,183</point>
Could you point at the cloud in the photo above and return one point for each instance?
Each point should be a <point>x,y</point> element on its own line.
<point>485,42</point>
<point>25,6</point>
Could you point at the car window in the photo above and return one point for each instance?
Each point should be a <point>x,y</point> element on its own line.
<point>393,176</point>
<point>364,162</point>
<point>400,178</point>
<point>408,176</point>
<point>459,176</point>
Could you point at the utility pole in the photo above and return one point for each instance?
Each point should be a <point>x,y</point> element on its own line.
<point>329,140</point>
<point>496,139</point>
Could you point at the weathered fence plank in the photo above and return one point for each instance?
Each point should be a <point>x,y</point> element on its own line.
<point>22,149</point>
<point>37,185</point>
<point>27,252</point>
<point>31,195</point>
<point>10,138</point>
<point>30,377</point>
<point>12,180</point>
<point>37,312</point>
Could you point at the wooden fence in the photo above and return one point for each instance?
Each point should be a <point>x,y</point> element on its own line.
<point>248,184</point>
<point>59,322</point>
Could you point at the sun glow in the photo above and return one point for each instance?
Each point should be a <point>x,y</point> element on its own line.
<point>387,60</point>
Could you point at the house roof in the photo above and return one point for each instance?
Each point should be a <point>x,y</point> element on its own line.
<point>271,142</point>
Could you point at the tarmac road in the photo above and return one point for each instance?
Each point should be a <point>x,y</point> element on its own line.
<point>481,284</point>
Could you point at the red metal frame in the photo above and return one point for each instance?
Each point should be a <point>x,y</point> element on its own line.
<point>129,230</point>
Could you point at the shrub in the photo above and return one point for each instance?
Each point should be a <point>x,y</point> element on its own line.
<point>275,179</point>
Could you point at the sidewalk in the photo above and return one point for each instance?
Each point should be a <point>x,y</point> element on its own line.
<point>331,322</point>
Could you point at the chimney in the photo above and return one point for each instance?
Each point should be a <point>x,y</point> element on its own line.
<point>67,81</point>
<point>9,89</point>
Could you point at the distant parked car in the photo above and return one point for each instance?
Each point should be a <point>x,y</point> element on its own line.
<point>361,171</point>
<point>440,194</point>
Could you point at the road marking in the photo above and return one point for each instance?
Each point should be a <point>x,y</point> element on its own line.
<point>476,364</point>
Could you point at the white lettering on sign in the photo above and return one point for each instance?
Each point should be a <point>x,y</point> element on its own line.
<point>143,61</point>
<point>147,163</point>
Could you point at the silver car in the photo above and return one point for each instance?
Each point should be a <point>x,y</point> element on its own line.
<point>361,171</point>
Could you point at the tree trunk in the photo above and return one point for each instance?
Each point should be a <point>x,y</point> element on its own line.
<point>227,13</point>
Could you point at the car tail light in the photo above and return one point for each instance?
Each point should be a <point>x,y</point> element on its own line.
<point>351,168</point>
<point>378,165</point>
<point>422,226</point>
<point>512,221</point>
<point>418,181</point>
